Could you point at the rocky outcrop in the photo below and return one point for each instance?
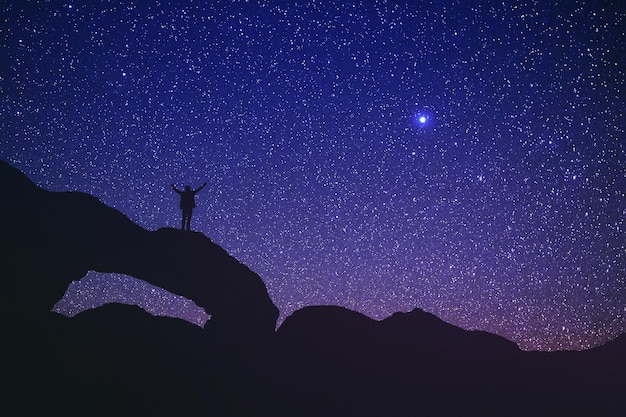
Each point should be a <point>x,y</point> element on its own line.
<point>53,238</point>
<point>322,361</point>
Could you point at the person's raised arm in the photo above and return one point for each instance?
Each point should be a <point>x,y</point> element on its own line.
<point>201,187</point>
<point>175,189</point>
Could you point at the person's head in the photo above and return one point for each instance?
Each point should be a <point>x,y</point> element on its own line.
<point>187,188</point>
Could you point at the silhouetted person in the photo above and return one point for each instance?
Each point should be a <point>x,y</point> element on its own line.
<point>187,203</point>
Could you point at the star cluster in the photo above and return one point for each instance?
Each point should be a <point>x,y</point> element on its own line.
<point>463,158</point>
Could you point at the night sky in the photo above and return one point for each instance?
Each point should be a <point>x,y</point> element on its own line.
<point>465,159</point>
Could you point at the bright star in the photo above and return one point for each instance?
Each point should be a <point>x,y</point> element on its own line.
<point>421,119</point>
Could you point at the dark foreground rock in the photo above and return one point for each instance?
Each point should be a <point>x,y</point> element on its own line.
<point>322,361</point>
<point>59,237</point>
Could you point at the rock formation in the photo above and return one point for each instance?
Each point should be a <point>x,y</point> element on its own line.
<point>322,361</point>
<point>59,236</point>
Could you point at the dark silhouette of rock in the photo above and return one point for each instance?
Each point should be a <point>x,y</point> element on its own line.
<point>416,332</point>
<point>73,233</point>
<point>415,361</point>
<point>322,361</point>
<point>444,339</point>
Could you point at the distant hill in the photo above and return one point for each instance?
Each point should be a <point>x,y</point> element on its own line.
<point>322,361</point>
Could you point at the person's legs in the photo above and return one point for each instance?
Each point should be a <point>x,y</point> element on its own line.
<point>186,220</point>
<point>189,221</point>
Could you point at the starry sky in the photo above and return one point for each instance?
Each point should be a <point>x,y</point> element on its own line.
<point>465,159</point>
